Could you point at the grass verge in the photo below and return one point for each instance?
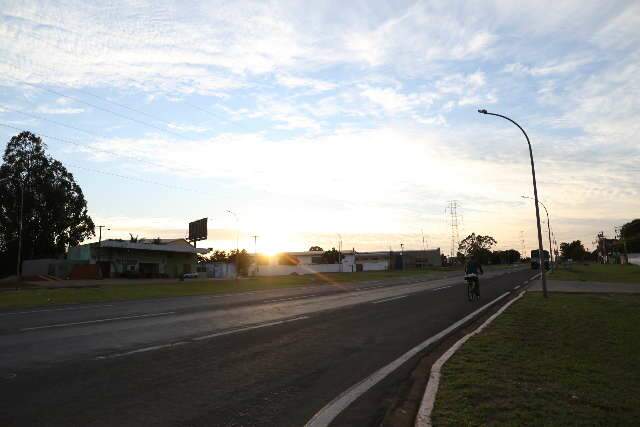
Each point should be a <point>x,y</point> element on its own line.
<point>132,290</point>
<point>568,360</point>
<point>628,273</point>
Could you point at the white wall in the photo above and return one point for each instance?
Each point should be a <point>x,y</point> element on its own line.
<point>634,259</point>
<point>375,265</point>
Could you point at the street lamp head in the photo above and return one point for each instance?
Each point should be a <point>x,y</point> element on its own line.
<point>482,111</point>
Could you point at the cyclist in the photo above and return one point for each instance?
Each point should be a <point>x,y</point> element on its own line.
<point>473,267</point>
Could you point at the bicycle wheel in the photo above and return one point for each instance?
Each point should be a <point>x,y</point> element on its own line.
<point>470,291</point>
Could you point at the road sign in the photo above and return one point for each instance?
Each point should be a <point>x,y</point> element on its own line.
<point>198,230</point>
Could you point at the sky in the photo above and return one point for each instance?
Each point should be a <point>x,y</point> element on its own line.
<point>315,122</point>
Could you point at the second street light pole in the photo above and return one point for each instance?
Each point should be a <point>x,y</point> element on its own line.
<point>535,194</point>
<point>548,229</point>
<point>237,258</point>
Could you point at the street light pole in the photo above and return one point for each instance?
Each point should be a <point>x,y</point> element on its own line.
<point>402,254</point>
<point>340,252</point>
<point>18,269</point>
<point>237,240</point>
<point>548,229</point>
<point>535,194</point>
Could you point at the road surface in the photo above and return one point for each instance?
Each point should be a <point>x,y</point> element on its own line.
<point>261,358</point>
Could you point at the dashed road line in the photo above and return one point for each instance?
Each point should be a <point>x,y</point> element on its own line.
<point>389,299</point>
<point>14,313</point>
<point>202,338</point>
<point>61,325</point>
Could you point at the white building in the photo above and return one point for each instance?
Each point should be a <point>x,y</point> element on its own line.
<point>309,262</point>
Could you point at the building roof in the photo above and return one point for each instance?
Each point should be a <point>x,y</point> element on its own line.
<point>161,245</point>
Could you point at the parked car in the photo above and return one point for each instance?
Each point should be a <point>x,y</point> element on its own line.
<point>190,276</point>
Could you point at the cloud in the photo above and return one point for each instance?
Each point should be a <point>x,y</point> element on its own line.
<point>554,67</point>
<point>301,82</point>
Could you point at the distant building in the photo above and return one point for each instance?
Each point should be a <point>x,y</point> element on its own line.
<point>308,262</point>
<point>416,260</point>
<point>217,270</point>
<point>311,262</point>
<point>148,258</point>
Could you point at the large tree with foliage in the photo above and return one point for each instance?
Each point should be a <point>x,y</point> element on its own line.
<point>477,246</point>
<point>505,257</point>
<point>630,233</point>
<point>54,208</point>
<point>574,250</point>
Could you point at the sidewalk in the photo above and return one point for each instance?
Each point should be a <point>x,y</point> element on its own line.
<point>586,287</point>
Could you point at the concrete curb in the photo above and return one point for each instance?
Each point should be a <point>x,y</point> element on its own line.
<point>423,419</point>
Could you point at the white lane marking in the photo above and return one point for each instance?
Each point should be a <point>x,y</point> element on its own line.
<point>389,299</point>
<point>327,414</point>
<point>442,287</point>
<point>60,325</point>
<point>248,328</point>
<point>142,350</point>
<point>517,287</point>
<point>179,343</point>
<point>14,313</point>
<point>423,418</point>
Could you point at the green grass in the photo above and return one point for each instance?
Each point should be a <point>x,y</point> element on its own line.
<point>132,290</point>
<point>598,273</point>
<point>568,360</point>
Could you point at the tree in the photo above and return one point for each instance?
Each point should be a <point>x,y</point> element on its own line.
<point>574,250</point>
<point>505,257</point>
<point>477,246</point>
<point>241,260</point>
<point>315,249</point>
<point>630,233</point>
<point>332,256</point>
<point>54,208</point>
<point>216,256</point>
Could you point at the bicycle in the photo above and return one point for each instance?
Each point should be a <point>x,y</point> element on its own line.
<point>473,286</point>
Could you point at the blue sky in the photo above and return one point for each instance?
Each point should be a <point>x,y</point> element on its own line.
<point>317,119</point>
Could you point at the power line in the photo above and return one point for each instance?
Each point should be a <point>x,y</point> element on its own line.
<point>145,181</point>
<point>131,108</point>
<point>115,113</point>
<point>103,150</point>
<point>131,178</point>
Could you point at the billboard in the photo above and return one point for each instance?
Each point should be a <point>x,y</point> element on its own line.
<point>198,230</point>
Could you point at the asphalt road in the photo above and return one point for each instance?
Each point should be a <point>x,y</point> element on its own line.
<point>264,358</point>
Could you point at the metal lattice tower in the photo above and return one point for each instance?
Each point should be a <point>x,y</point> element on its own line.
<point>524,248</point>
<point>453,217</point>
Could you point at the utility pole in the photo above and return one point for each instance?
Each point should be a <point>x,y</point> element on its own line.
<point>402,254</point>
<point>100,227</point>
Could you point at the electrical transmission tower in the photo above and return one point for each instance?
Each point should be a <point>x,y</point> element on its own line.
<point>524,248</point>
<point>452,208</point>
